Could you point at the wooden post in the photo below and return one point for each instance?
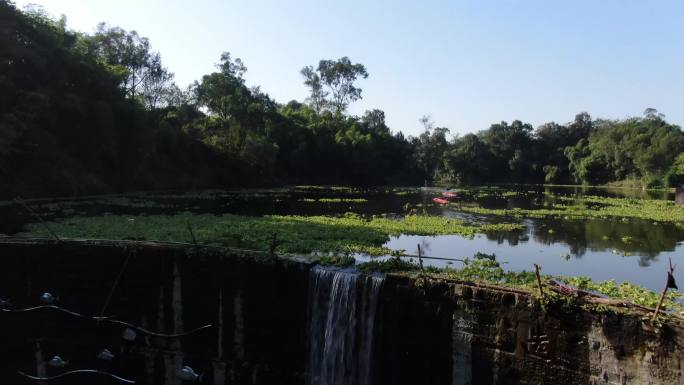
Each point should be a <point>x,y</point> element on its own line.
<point>669,282</point>
<point>541,290</point>
<point>420,258</point>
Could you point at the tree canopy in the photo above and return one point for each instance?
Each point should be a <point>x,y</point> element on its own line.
<point>94,113</point>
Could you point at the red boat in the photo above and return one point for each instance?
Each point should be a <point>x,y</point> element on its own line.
<point>440,201</point>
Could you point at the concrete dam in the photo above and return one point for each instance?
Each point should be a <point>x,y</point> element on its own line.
<point>116,312</point>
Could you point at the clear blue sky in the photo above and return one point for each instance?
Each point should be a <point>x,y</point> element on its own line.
<point>467,63</point>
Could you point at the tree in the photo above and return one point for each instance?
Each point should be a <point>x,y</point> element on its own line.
<point>551,140</point>
<point>581,127</point>
<point>653,114</point>
<point>374,121</point>
<point>317,98</point>
<point>426,121</point>
<point>430,147</point>
<point>158,89</point>
<point>129,56</point>
<point>224,93</point>
<point>334,79</point>
<point>512,149</point>
<point>634,148</point>
<point>467,161</point>
<point>675,175</point>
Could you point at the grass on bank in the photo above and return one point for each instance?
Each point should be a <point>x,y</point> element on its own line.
<point>299,234</point>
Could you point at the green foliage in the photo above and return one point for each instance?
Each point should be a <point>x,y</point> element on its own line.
<point>388,265</point>
<point>333,78</point>
<point>586,207</point>
<point>337,260</point>
<point>628,291</point>
<point>675,175</point>
<point>300,234</point>
<point>111,90</point>
<point>430,148</point>
<point>128,56</point>
<point>486,269</point>
<point>641,148</point>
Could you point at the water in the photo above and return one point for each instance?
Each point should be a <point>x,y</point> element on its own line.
<point>589,247</point>
<point>342,310</point>
<point>577,248</point>
<point>632,250</point>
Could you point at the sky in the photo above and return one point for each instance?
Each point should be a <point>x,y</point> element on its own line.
<point>467,64</point>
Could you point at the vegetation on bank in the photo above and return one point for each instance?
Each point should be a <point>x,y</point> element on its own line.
<point>484,268</point>
<point>589,207</point>
<point>298,234</point>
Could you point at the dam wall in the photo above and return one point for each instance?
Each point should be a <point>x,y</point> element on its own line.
<point>240,317</point>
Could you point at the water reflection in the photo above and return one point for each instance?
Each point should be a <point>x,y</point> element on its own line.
<point>600,248</point>
<point>641,237</point>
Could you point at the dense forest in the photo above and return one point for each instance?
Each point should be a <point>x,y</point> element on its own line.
<point>97,113</point>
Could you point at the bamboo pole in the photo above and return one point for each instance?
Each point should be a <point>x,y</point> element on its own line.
<point>669,281</point>
<point>420,258</point>
<point>539,284</point>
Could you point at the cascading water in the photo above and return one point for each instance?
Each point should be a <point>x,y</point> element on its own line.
<point>342,306</point>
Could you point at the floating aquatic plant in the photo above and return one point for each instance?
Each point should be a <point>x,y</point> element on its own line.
<point>299,234</point>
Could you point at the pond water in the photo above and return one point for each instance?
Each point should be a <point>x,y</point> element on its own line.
<point>631,250</point>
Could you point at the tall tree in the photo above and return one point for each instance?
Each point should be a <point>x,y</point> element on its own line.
<point>130,56</point>
<point>430,147</point>
<point>331,84</point>
<point>468,160</point>
<point>224,92</point>
<point>318,96</point>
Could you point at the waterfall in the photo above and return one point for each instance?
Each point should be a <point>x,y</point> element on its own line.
<point>342,308</point>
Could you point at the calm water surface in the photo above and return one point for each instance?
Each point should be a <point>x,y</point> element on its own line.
<point>593,247</point>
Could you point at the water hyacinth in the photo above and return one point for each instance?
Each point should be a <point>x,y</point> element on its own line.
<point>590,207</point>
<point>301,234</point>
